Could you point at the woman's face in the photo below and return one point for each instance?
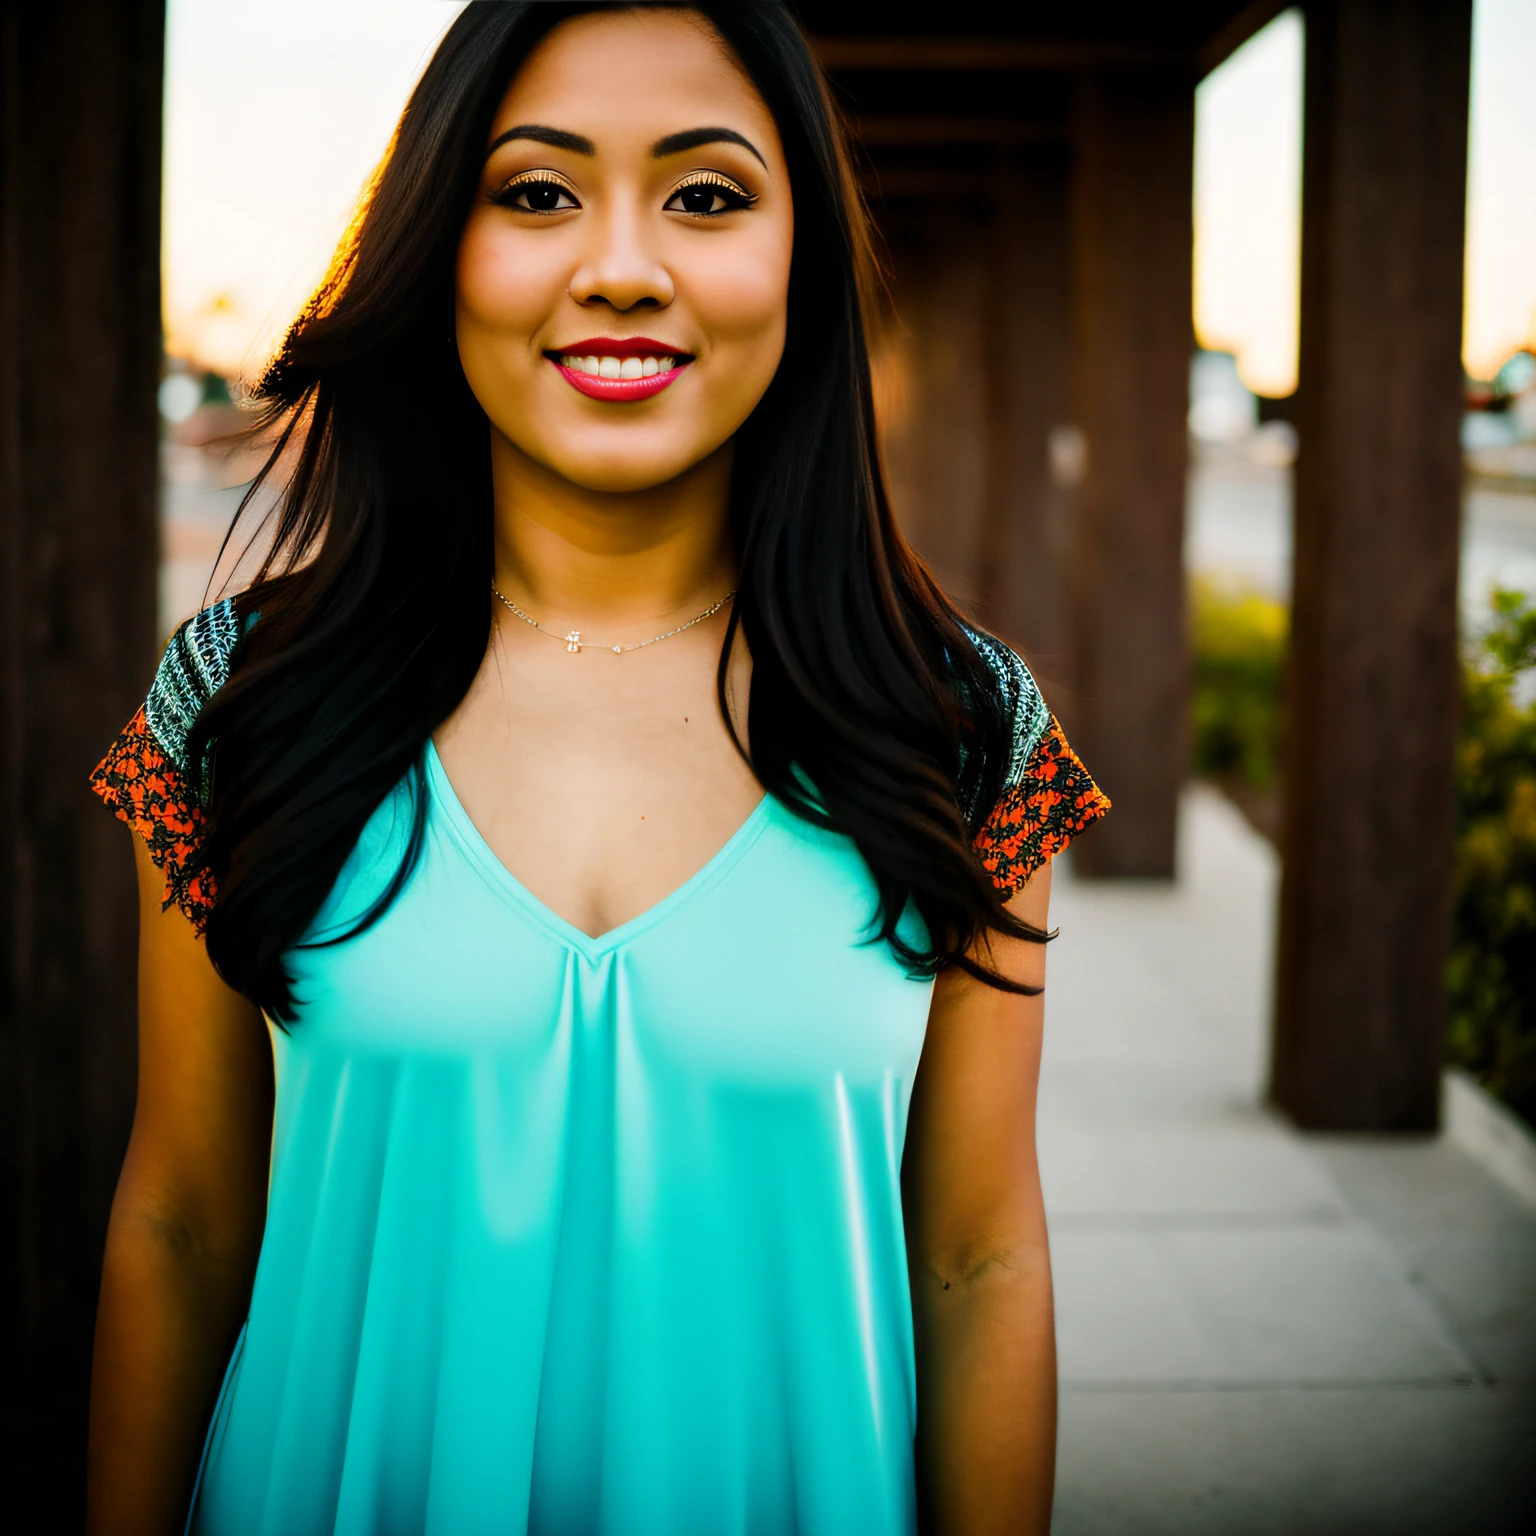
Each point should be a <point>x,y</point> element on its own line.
<point>633,219</point>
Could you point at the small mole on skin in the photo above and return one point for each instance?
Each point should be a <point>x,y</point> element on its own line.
<point>946,1285</point>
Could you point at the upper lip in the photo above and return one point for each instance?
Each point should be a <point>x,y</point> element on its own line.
<point>619,347</point>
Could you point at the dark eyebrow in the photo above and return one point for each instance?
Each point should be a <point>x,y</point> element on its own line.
<point>692,138</point>
<point>556,138</point>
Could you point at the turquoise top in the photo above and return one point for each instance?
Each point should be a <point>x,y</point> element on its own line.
<point>572,1234</point>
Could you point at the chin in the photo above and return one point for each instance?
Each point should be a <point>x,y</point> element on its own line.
<point>621,469</point>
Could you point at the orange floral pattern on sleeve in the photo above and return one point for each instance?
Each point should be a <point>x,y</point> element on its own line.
<point>144,788</point>
<point>1035,819</point>
<point>148,777</point>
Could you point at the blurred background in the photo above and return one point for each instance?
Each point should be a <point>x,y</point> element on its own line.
<point>1209,380</point>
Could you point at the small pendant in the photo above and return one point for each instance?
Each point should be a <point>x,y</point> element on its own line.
<point>573,642</point>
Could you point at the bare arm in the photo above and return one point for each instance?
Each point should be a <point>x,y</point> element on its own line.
<point>977,1252</point>
<point>185,1230</point>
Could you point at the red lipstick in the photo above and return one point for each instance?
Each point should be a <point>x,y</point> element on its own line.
<point>593,366</point>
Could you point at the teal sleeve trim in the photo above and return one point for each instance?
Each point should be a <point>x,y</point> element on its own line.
<point>1023,705</point>
<point>195,666</point>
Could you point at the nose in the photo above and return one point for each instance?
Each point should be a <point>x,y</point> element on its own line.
<point>618,269</point>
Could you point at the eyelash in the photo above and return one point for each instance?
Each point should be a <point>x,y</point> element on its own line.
<point>733,196</point>
<point>506,195</point>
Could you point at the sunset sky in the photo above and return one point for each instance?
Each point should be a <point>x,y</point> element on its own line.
<point>1248,197</point>
<point>277,113</point>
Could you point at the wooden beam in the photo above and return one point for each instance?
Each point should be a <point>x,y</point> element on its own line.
<point>80,111</point>
<point>889,183</point>
<point>1132,340</point>
<point>889,132</point>
<point>1372,689</point>
<point>966,54</point>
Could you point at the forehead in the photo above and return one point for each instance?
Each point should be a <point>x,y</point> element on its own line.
<point>635,75</point>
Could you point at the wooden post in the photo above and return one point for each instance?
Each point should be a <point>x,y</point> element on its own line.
<point>1024,557</point>
<point>1132,226</point>
<point>932,380</point>
<point>80,109</point>
<point>1372,688</point>
<point>972,377</point>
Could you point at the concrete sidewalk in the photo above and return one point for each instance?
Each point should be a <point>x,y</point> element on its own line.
<point>1260,1332</point>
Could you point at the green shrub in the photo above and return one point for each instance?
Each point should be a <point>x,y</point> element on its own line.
<point>1493,938</point>
<point>1238,641</point>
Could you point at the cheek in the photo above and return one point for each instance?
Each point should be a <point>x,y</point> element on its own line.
<point>501,284</point>
<point>744,303</point>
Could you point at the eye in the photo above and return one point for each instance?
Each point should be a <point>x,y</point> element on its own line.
<point>708,195</point>
<point>535,192</point>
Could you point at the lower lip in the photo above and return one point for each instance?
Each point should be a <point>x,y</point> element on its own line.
<point>598,388</point>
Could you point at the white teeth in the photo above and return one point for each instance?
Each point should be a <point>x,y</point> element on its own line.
<point>615,368</point>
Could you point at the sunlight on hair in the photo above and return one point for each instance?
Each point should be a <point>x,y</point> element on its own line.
<point>276,116</point>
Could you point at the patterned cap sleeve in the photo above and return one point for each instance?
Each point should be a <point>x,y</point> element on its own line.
<point>147,778</point>
<point>1047,796</point>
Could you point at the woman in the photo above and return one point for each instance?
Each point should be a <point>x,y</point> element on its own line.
<point>603,807</point>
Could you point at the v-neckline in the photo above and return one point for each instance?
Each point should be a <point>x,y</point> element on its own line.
<point>593,948</point>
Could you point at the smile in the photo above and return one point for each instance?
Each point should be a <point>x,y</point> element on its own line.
<point>604,368</point>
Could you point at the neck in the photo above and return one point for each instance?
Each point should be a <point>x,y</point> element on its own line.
<point>585,558</point>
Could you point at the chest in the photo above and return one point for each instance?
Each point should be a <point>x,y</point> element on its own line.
<point>601,782</point>
<point>755,976</point>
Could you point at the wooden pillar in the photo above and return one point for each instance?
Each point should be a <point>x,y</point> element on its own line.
<point>80,111</point>
<point>1371,709</point>
<point>1132,339</point>
<point>972,377</point>
<point>931,367</point>
<point>1024,557</point>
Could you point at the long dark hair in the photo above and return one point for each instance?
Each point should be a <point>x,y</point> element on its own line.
<point>871,710</point>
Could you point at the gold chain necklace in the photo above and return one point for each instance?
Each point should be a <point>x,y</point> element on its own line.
<point>572,638</point>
